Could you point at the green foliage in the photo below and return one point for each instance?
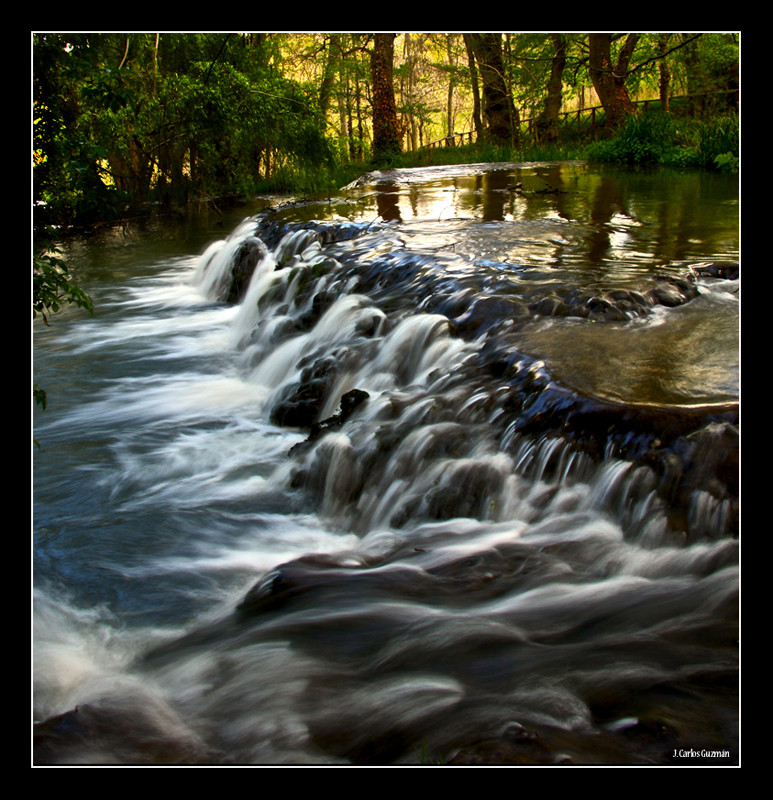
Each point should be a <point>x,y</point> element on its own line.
<point>52,286</point>
<point>718,137</point>
<point>654,138</point>
<point>643,139</point>
<point>68,177</point>
<point>528,59</point>
<point>726,162</point>
<point>126,119</point>
<point>39,396</point>
<point>427,759</point>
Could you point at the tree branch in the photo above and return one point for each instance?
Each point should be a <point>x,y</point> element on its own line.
<point>661,56</point>
<point>214,60</point>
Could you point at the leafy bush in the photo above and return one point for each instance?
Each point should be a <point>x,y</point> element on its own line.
<point>52,286</point>
<point>726,162</point>
<point>718,139</point>
<point>643,139</point>
<point>654,138</point>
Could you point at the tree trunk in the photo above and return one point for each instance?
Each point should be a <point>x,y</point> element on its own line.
<point>331,68</point>
<point>476,117</point>
<point>696,79</point>
<point>451,84</point>
<point>497,104</point>
<point>409,93</point>
<point>350,125</point>
<point>386,140</point>
<point>360,130</point>
<point>609,80</point>
<point>547,124</point>
<point>664,73</point>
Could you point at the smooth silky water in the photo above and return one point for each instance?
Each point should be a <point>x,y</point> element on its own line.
<point>491,559</point>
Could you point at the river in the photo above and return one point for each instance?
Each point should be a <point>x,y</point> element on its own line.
<point>441,469</point>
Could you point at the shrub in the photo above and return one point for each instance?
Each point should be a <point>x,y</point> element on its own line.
<point>643,139</point>
<point>654,138</point>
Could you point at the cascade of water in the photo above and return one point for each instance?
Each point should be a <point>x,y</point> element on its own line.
<point>214,266</point>
<point>295,243</point>
<point>263,279</point>
<point>416,346</point>
<point>422,570</point>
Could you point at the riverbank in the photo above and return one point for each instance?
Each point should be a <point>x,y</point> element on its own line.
<point>648,139</point>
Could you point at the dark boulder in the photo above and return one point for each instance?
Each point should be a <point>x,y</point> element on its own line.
<point>350,402</point>
<point>251,252</point>
<point>673,290</point>
<point>301,402</point>
<point>729,271</point>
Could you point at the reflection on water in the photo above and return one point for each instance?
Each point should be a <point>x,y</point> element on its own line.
<point>659,215</point>
<point>694,360</point>
<point>566,227</point>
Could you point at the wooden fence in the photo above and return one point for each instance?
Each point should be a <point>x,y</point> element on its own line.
<point>458,139</point>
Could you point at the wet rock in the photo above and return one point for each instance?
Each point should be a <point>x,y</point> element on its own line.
<point>139,732</point>
<point>518,746</point>
<point>350,402</point>
<point>300,407</point>
<point>467,491</point>
<point>321,579</point>
<point>301,403</point>
<point>320,303</point>
<point>604,308</point>
<point>673,290</point>
<point>729,271</point>
<point>701,478</point>
<point>251,252</point>
<point>694,452</point>
<point>550,306</point>
<point>615,305</point>
<point>488,312</point>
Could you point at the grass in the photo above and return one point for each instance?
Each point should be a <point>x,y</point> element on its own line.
<point>427,759</point>
<point>665,140</point>
<point>648,139</point>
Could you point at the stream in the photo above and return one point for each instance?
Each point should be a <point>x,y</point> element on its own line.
<point>440,469</point>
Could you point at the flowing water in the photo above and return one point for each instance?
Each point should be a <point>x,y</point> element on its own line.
<point>442,469</point>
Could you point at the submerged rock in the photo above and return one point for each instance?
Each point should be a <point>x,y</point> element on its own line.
<point>117,733</point>
<point>729,271</point>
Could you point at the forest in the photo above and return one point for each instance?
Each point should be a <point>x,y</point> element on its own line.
<point>126,123</point>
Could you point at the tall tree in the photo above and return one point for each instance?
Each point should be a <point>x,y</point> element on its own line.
<point>664,74</point>
<point>386,139</point>
<point>332,59</point>
<point>125,118</point>
<point>498,110</point>
<point>477,120</point>
<point>547,122</point>
<point>451,86</point>
<point>608,78</point>
<point>710,64</point>
<point>409,90</point>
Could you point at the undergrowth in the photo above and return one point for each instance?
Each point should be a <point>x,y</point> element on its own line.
<point>647,139</point>
<point>664,140</point>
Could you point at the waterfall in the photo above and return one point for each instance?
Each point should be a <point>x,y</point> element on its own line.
<point>333,509</point>
<point>303,307</point>
<point>214,267</point>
